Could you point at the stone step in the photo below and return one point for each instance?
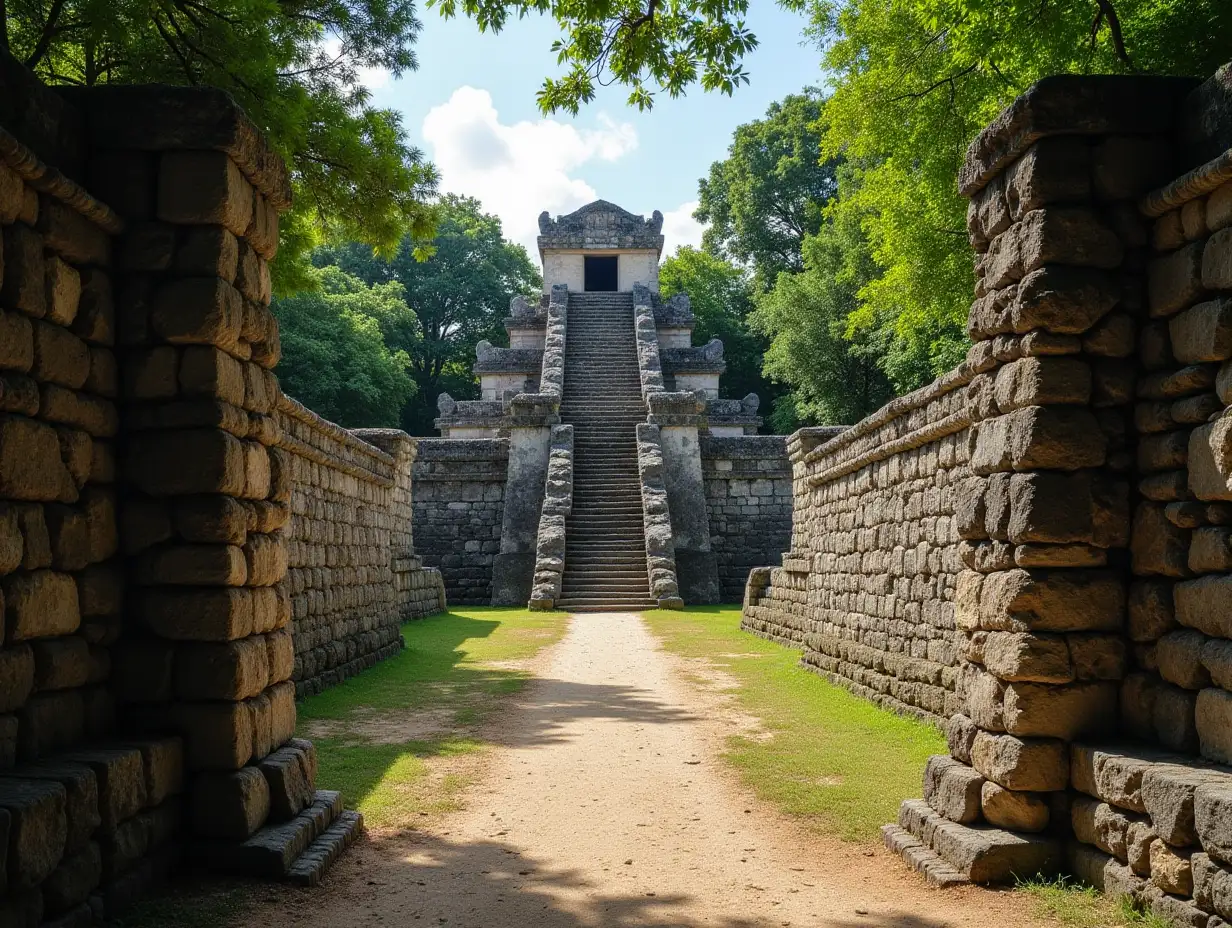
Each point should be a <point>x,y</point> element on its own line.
<point>311,865</point>
<point>606,605</point>
<point>921,858</point>
<point>273,849</point>
<point>981,853</point>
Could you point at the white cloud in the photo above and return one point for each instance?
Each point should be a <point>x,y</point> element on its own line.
<point>372,78</point>
<point>518,170</point>
<point>680,228</point>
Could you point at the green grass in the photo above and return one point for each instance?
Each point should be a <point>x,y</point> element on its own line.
<point>395,738</point>
<point>840,763</point>
<point>1077,906</point>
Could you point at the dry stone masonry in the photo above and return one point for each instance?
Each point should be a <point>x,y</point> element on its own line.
<point>673,494</point>
<point>1031,551</point>
<point>181,546</point>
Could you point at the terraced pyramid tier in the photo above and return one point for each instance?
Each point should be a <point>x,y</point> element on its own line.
<point>605,542</point>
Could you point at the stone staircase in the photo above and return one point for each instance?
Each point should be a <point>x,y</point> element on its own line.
<point>605,542</point>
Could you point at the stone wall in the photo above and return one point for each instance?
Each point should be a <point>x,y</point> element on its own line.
<point>346,536</point>
<point>65,812</point>
<point>154,487</point>
<point>1035,546</point>
<point>748,499</point>
<point>459,502</point>
<point>868,585</point>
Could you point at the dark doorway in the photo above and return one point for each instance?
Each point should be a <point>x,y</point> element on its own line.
<point>600,274</point>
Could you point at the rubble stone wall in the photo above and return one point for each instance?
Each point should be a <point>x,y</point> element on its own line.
<point>459,503</point>
<point>748,500</point>
<point>345,538</point>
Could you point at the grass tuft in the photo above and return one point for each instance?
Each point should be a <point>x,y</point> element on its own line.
<point>1077,906</point>
<point>833,759</point>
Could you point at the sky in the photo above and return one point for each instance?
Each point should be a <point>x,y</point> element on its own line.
<point>471,107</point>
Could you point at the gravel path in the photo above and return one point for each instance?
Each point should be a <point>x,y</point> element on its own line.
<point>606,805</point>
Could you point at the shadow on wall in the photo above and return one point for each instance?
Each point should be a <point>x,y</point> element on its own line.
<point>437,881</point>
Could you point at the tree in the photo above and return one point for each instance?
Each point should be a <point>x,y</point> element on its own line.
<point>834,378</point>
<point>460,296</point>
<point>768,194</point>
<point>914,81</point>
<point>293,66</point>
<point>721,297</point>
<point>335,359</point>
<point>649,48</point>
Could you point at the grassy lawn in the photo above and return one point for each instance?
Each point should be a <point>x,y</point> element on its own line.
<point>837,761</point>
<point>395,739</point>
<point>400,740</point>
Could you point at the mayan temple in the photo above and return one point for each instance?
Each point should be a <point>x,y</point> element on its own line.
<point>600,469</point>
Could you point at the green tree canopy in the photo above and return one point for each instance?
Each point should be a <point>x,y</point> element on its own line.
<point>460,295</point>
<point>768,194</point>
<point>834,375</point>
<point>648,47</point>
<point>722,298</point>
<point>335,359</point>
<point>914,81</point>
<point>293,65</point>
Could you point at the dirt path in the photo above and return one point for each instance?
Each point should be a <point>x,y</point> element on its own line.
<point>606,806</point>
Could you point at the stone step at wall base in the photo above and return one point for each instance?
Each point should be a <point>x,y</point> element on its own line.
<point>921,858</point>
<point>310,867</point>
<point>982,854</point>
<point>273,850</point>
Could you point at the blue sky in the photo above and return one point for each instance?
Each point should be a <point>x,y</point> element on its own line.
<point>471,107</point>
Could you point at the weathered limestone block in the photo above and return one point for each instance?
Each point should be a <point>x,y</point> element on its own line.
<point>952,789</point>
<point>1103,871</point>
<point>1210,550</point>
<point>225,670</point>
<point>1213,718</point>
<point>1212,884</point>
<point>1042,382</point>
<point>185,462</point>
<point>1019,656</point>
<point>1203,332</point>
<point>40,604</point>
<point>1151,613</point>
<point>1032,765</point>
<point>1158,547</point>
<point>203,188</point>
<point>1179,657</point>
<point>1017,811</point>
<point>1047,600</point>
<point>1170,869</point>
<point>960,734</point>
<point>73,880</point>
<point>1209,460</point>
<point>16,676</point>
<point>229,805</point>
<point>217,735</point>
<point>31,466</point>
<point>1168,795</point>
<point>198,311</point>
<point>1042,710</point>
<point>24,281</point>
<point>291,775</point>
<point>1213,819</point>
<point>1174,281</point>
<point>1059,508</point>
<point>1102,825</point>
<point>1039,437</point>
<point>1205,604</point>
<point>197,614</point>
<point>193,565</point>
<point>37,829</point>
<point>1138,840</point>
<point>1062,300</point>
